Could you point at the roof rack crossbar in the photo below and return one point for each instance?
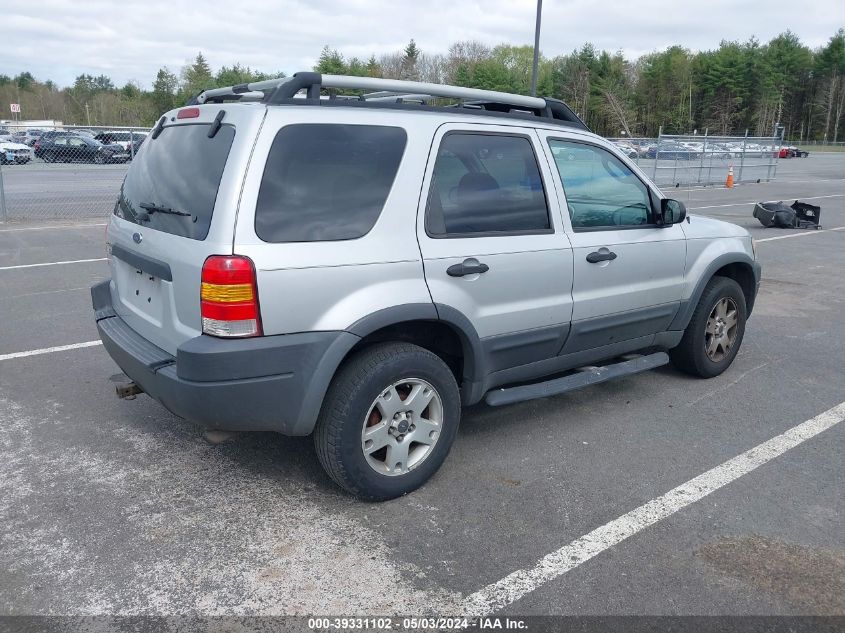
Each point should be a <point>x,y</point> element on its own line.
<point>399,87</point>
<point>241,89</point>
<point>377,90</point>
<point>387,97</point>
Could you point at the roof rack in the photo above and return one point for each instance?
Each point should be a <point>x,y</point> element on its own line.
<point>386,91</point>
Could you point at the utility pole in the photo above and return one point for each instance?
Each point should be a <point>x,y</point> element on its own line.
<point>536,49</point>
<point>88,115</point>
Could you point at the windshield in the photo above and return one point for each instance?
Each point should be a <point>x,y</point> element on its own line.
<point>180,170</point>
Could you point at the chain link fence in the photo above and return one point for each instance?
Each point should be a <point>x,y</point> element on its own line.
<point>63,172</point>
<point>673,160</point>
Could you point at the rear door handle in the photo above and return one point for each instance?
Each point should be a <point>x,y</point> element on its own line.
<point>467,267</point>
<point>596,257</point>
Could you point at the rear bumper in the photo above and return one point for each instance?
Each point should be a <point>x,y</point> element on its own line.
<point>271,383</point>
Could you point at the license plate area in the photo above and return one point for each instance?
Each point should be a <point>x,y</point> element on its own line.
<point>141,292</point>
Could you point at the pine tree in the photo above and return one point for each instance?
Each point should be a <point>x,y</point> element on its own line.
<point>330,62</point>
<point>197,77</point>
<point>409,62</point>
<point>373,68</point>
<point>164,90</point>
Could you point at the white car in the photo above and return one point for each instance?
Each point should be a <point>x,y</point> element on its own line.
<point>11,152</point>
<point>694,145</point>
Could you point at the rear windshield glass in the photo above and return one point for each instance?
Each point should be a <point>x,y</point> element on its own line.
<point>177,173</point>
<point>327,181</point>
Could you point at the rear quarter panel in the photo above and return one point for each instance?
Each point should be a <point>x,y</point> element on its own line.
<point>329,285</point>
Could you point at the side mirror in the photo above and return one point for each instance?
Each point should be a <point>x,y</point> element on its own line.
<point>672,211</point>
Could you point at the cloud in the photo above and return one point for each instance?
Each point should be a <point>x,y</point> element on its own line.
<point>129,40</point>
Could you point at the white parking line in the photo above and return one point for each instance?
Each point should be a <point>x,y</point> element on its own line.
<point>52,226</point>
<point>49,350</point>
<point>73,261</point>
<point>739,204</point>
<point>786,237</point>
<point>511,588</point>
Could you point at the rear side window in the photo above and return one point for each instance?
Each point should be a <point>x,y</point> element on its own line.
<point>326,181</point>
<point>486,184</point>
<point>176,178</point>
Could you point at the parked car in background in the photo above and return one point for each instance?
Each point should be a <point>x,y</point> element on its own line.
<point>33,135</point>
<point>671,150</point>
<point>756,150</point>
<point>73,148</point>
<point>136,145</point>
<point>627,148</point>
<point>83,132</point>
<point>124,139</point>
<point>28,137</point>
<point>644,146</point>
<point>720,150</point>
<point>51,134</point>
<point>791,151</point>
<point>14,153</point>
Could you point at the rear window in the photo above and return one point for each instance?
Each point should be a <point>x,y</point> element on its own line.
<point>327,181</point>
<point>180,171</point>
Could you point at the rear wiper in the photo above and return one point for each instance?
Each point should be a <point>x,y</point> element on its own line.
<point>154,208</point>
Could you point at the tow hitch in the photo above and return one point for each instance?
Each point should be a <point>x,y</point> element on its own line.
<point>128,391</point>
<point>125,388</point>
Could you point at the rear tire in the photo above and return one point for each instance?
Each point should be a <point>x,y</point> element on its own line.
<point>388,421</point>
<point>715,331</point>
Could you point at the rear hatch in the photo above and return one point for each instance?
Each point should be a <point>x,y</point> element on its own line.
<point>177,206</point>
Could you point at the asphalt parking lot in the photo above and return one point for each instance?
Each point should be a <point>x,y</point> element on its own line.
<point>117,507</point>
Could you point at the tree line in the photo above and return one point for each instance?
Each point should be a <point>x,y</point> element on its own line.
<point>737,87</point>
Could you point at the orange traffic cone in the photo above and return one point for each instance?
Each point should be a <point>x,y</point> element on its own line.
<point>730,181</point>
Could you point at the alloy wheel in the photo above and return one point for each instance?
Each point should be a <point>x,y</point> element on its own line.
<point>721,331</point>
<point>402,426</point>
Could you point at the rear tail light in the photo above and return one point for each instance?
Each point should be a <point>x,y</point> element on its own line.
<point>229,297</point>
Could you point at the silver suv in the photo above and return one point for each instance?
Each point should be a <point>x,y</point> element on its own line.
<point>361,268</point>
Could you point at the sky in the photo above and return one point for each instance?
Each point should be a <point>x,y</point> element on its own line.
<point>129,40</point>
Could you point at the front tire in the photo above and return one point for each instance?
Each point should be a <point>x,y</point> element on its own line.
<point>388,421</point>
<point>715,331</point>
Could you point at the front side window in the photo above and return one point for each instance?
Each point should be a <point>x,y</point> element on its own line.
<point>486,184</point>
<point>327,181</point>
<point>601,191</point>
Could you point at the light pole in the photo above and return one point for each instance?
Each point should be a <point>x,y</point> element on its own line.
<point>536,49</point>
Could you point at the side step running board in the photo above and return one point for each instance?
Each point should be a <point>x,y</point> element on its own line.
<point>584,377</point>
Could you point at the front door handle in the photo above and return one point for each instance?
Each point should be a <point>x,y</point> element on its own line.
<point>596,257</point>
<point>467,267</point>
